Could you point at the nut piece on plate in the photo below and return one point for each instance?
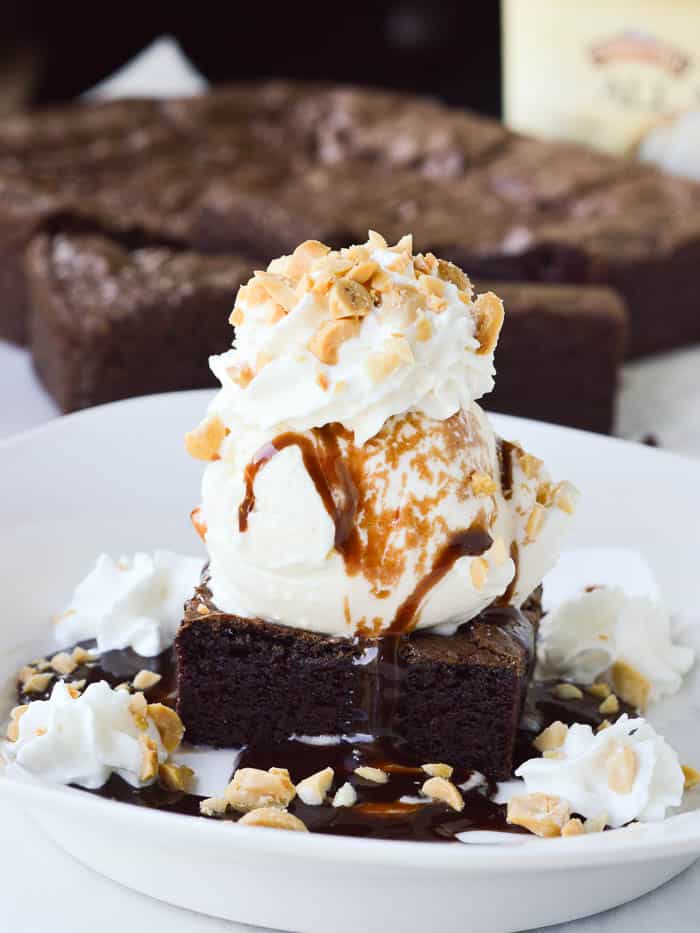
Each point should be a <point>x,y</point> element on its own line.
<point>621,769</point>
<point>168,724</point>
<point>376,775</point>
<point>543,814</point>
<point>145,679</point>
<point>37,683</point>
<point>552,737</point>
<point>272,818</point>
<point>440,789</point>
<point>252,789</point>
<point>573,827</point>
<point>149,758</point>
<point>213,806</point>
<point>313,789</point>
<point>633,687</point>
<point>176,777</point>
<point>345,796</point>
<point>328,338</point>
<point>610,705</point>
<point>438,770</point>
<point>63,663</point>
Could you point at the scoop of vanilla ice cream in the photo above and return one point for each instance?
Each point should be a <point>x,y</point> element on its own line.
<point>354,486</point>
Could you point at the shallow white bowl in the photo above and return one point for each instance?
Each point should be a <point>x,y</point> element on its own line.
<point>116,478</point>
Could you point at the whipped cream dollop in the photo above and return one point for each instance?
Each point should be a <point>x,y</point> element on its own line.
<point>134,602</point>
<point>627,772</point>
<point>83,739</point>
<point>590,634</point>
<point>353,485</point>
<point>354,337</point>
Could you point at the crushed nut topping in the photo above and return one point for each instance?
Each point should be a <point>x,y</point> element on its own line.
<point>348,298</point>
<point>213,806</point>
<point>63,663</point>
<point>168,724</point>
<point>601,690</point>
<point>609,705</point>
<point>482,484</point>
<point>551,738</point>
<point>534,523</point>
<point>279,288</point>
<point>633,687</point>
<point>149,758</point>
<point>543,814</point>
<point>272,818</point>
<point>479,571</point>
<point>440,789</point>
<point>488,309</point>
<point>139,710</point>
<point>202,610</point>
<point>82,656</point>
<point>37,683</point>
<point>176,777</point>
<point>330,336</point>
<point>376,775</point>
<point>396,351</point>
<point>252,788</point>
<point>574,827</point>
<point>345,796</point>
<point>313,789</point>
<point>438,770</point>
<point>567,692</point>
<point>605,724</point>
<point>13,726</point>
<point>203,443</point>
<point>145,679</point>
<point>621,769</point>
<point>449,272</point>
<point>691,775</point>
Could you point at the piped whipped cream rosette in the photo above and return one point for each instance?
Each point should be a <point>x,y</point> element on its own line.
<point>356,336</point>
<point>626,639</point>
<point>133,602</point>
<point>83,738</point>
<point>353,484</point>
<point>623,773</point>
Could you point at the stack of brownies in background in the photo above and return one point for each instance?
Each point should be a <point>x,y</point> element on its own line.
<point>126,228</point>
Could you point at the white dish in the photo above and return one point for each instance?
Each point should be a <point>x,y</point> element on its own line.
<point>116,478</point>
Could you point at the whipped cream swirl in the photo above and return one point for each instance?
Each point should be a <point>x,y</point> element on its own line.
<point>308,352</point>
<point>627,772</point>
<point>134,602</point>
<point>588,635</point>
<point>82,740</point>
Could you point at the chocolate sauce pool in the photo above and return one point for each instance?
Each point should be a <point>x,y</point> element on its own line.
<point>382,811</point>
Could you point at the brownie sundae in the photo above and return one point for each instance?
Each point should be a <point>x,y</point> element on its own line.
<point>368,635</point>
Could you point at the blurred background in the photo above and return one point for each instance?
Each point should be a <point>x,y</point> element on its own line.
<point>450,48</point>
<point>594,250</point>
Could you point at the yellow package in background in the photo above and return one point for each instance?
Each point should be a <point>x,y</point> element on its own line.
<point>621,75</point>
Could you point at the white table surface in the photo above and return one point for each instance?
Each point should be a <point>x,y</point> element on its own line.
<point>42,888</point>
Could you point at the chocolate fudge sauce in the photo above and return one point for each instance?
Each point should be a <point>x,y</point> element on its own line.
<point>382,811</point>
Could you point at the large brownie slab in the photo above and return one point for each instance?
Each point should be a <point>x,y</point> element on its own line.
<point>559,353</point>
<point>108,322</point>
<point>244,681</point>
<point>256,168</point>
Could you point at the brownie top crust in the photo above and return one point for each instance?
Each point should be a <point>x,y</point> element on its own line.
<point>496,640</point>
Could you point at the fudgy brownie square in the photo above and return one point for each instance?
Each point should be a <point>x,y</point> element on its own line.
<point>109,322</point>
<point>244,681</point>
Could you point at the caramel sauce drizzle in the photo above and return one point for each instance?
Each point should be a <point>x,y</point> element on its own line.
<point>470,543</point>
<point>506,451</point>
